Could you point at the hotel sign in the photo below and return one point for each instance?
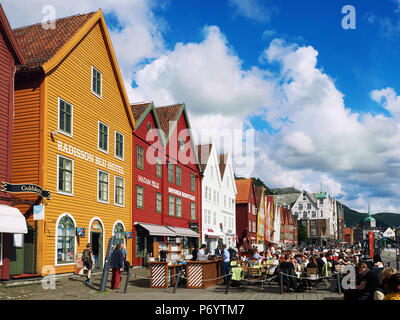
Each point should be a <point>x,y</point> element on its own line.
<point>181,194</point>
<point>78,153</point>
<point>25,188</point>
<point>149,182</point>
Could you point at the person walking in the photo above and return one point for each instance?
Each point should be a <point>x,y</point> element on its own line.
<point>87,259</point>
<point>226,260</point>
<point>117,265</point>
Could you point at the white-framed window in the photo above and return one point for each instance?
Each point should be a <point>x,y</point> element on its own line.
<point>65,235</point>
<point>65,175</point>
<point>206,192</point>
<point>158,202</point>
<point>192,210</point>
<point>215,219</point>
<point>139,197</point>
<point>103,137</point>
<point>119,145</point>
<point>254,226</point>
<point>103,190</point>
<point>65,117</point>
<point>179,207</point>
<point>171,202</point>
<point>97,79</point>
<point>119,192</point>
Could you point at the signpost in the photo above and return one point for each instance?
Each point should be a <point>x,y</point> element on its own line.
<point>25,188</point>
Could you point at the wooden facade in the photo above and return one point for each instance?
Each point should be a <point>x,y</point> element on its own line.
<point>41,146</point>
<point>10,56</point>
<point>154,141</point>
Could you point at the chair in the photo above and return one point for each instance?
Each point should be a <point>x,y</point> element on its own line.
<point>312,276</point>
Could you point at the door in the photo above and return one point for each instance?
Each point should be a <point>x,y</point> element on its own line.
<point>21,253</point>
<point>96,238</point>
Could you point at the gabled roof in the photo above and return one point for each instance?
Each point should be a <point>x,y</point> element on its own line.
<point>286,199</point>
<point>39,45</point>
<point>203,152</point>
<point>47,48</point>
<point>165,115</point>
<point>258,190</point>
<point>9,38</point>
<point>222,159</point>
<point>243,187</point>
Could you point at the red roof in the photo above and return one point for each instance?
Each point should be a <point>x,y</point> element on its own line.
<point>39,45</point>
<point>243,187</point>
<point>166,114</point>
<point>138,109</point>
<point>203,153</point>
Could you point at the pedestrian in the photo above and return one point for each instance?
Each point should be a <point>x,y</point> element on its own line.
<point>87,259</point>
<point>394,288</point>
<point>226,260</point>
<point>117,265</point>
<point>124,252</point>
<point>194,252</point>
<point>201,254</point>
<point>218,251</point>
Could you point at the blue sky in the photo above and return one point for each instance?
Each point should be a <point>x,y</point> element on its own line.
<point>323,101</point>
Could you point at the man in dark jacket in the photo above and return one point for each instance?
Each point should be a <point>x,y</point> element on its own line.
<point>117,265</point>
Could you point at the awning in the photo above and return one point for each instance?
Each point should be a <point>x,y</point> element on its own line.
<point>157,230</point>
<point>211,236</point>
<point>184,232</point>
<point>12,220</point>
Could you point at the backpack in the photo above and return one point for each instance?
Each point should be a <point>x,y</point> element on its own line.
<point>86,256</point>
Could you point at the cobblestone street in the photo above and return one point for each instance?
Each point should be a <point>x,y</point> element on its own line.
<point>72,287</point>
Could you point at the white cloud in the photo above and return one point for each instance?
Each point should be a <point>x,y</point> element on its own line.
<point>389,100</point>
<point>257,10</point>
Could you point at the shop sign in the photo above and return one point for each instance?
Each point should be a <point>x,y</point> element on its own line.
<point>128,235</point>
<point>149,182</point>
<point>78,153</point>
<point>25,188</point>
<point>38,212</point>
<point>181,194</point>
<point>80,232</point>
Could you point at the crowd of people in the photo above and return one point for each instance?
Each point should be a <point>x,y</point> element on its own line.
<point>374,281</point>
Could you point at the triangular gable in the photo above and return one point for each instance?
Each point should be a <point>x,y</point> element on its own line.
<point>228,163</point>
<point>67,42</point>
<point>141,114</point>
<point>205,154</point>
<point>9,38</point>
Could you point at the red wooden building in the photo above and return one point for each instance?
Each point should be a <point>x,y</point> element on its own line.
<point>166,180</point>
<point>10,56</point>
<point>246,213</point>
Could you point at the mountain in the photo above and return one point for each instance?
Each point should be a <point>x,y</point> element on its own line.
<point>352,218</point>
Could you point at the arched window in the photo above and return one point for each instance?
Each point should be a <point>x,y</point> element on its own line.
<point>65,240</point>
<point>119,233</point>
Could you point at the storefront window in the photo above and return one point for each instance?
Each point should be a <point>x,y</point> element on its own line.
<point>66,240</point>
<point>119,233</point>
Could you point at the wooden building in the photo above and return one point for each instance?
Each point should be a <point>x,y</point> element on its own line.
<point>166,181</point>
<point>11,220</point>
<point>246,213</point>
<point>260,203</point>
<point>72,137</point>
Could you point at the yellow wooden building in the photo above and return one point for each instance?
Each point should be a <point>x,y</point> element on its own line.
<point>72,137</point>
<point>260,198</point>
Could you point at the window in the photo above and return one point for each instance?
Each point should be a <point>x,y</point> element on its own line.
<point>224,201</point>
<point>192,210</point>
<point>178,176</point>
<point>300,206</point>
<point>103,187</point>
<point>119,191</point>
<point>206,193</point>
<point>65,240</point>
<point>119,145</point>
<point>65,175</point>
<point>308,206</point>
<point>139,157</point>
<point>193,183</point>
<point>215,219</point>
<point>158,168</point>
<point>149,127</point>
<point>314,214</point>
<point>321,201</point>
<point>215,196</point>
<point>64,117</point>
<point>179,207</point>
<point>181,144</point>
<point>171,202</point>
<point>103,137</point>
<point>139,197</point>
<point>170,172</point>
<point>158,202</point>
<point>119,233</point>
<point>304,215</point>
<point>249,226</point>
<point>313,223</point>
<point>322,214</point>
<point>313,232</point>
<point>96,82</point>
<point>254,226</point>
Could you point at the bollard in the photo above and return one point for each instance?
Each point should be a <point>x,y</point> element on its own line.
<point>106,267</point>
<point>281,282</point>
<point>228,282</point>
<point>339,284</point>
<point>128,275</point>
<point>177,281</point>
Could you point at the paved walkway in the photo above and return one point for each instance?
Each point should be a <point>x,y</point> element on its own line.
<point>72,287</point>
